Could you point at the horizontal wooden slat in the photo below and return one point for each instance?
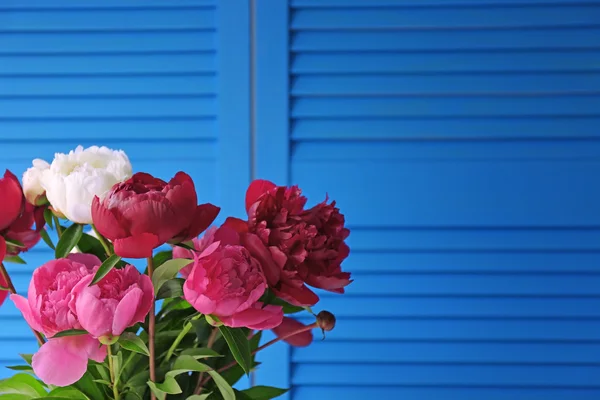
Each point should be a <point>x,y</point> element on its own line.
<point>113,106</point>
<point>445,18</point>
<point>72,19</point>
<point>457,194</point>
<point>446,106</point>
<point>461,330</point>
<point>106,129</point>
<point>454,307</point>
<point>446,62</point>
<point>68,4</point>
<point>450,352</point>
<point>429,40</point>
<point>109,41</point>
<point>441,392</point>
<point>440,85</point>
<point>567,149</point>
<point>199,84</point>
<point>444,128</point>
<point>428,3</point>
<point>482,284</point>
<point>107,64</point>
<point>452,375</point>
<point>380,239</point>
<point>506,263</point>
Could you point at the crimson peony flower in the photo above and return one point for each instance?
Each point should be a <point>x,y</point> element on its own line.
<point>144,212</point>
<point>50,308</point>
<point>22,229</point>
<point>288,325</point>
<point>294,246</point>
<point>11,198</point>
<point>227,282</point>
<point>121,299</point>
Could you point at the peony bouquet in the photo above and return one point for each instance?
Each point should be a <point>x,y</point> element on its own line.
<point>182,317</point>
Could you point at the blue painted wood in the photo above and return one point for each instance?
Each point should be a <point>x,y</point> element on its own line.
<point>271,145</point>
<point>460,139</point>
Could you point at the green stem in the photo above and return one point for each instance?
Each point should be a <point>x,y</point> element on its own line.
<point>57,224</point>
<point>151,330</point>
<point>103,241</point>
<point>111,368</point>
<point>186,329</point>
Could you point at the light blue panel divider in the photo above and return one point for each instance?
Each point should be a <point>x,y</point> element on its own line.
<point>166,81</point>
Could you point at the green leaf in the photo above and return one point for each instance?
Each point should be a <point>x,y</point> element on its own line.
<point>224,387</point>
<point>241,395</point>
<point>26,368</point>
<point>90,245</point>
<point>14,260</point>
<point>23,384</point>
<point>132,342</point>
<point>105,268</point>
<point>70,332</point>
<point>14,243</point>
<point>48,218</point>
<point>264,392</point>
<point>186,245</point>
<point>168,271</point>
<point>239,346</point>
<point>68,240</point>
<point>161,257</point>
<point>200,352</point>
<point>87,386</point>
<point>46,239</point>
<point>67,393</point>
<point>199,396</point>
<point>14,396</point>
<point>171,288</point>
<point>27,358</point>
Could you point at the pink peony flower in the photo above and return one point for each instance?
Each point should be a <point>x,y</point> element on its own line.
<point>121,299</point>
<point>289,325</point>
<point>227,282</point>
<point>200,244</point>
<point>50,309</point>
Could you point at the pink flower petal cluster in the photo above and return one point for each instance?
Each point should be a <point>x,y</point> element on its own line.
<point>226,282</point>
<point>60,299</point>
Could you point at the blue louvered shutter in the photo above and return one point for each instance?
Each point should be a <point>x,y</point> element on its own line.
<point>163,80</point>
<point>460,140</point>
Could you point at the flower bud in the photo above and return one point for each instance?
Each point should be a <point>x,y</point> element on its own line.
<point>326,320</point>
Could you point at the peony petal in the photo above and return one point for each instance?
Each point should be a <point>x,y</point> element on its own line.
<point>259,251</point>
<point>257,188</point>
<point>106,222</point>
<point>289,325</point>
<point>93,315</point>
<point>59,363</point>
<point>23,305</point>
<point>301,296</point>
<point>89,260</point>
<point>139,246</point>
<point>153,215</point>
<point>199,301</point>
<point>227,236</point>
<point>12,199</point>
<point>209,250</point>
<point>238,225</point>
<point>126,310</point>
<point>147,300</point>
<point>255,318</point>
<point>204,215</point>
<point>334,283</point>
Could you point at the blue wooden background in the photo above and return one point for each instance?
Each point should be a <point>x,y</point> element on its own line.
<point>460,137</point>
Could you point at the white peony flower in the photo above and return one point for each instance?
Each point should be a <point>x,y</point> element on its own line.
<point>74,179</point>
<point>32,181</point>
